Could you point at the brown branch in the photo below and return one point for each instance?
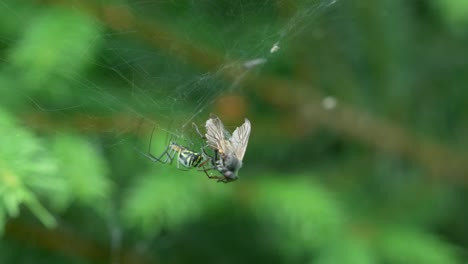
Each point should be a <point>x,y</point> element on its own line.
<point>68,243</point>
<point>387,136</point>
<point>120,123</point>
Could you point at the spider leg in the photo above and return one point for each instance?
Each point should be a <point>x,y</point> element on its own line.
<point>178,159</point>
<point>218,178</point>
<point>224,180</point>
<point>202,164</point>
<point>153,158</point>
<point>205,170</point>
<point>151,139</point>
<point>198,130</point>
<point>213,164</point>
<point>207,158</point>
<point>170,155</point>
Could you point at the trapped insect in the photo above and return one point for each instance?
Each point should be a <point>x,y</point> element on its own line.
<point>228,149</point>
<point>184,156</point>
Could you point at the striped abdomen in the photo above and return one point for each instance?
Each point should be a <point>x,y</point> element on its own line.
<point>186,157</point>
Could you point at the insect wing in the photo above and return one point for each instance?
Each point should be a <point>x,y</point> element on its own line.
<point>240,139</point>
<point>216,135</point>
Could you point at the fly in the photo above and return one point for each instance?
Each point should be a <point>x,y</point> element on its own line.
<point>228,149</point>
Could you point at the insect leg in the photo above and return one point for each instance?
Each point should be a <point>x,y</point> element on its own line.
<point>202,164</point>
<point>208,158</point>
<point>205,170</point>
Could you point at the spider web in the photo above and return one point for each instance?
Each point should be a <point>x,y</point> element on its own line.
<point>172,91</point>
<point>163,84</point>
<point>166,85</point>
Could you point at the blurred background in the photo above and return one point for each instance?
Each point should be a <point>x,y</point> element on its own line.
<point>358,145</point>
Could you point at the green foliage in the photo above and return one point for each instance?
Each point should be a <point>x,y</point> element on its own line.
<point>27,171</point>
<point>162,199</point>
<point>346,250</point>
<point>317,186</point>
<point>308,219</point>
<point>10,25</point>
<point>402,245</point>
<point>305,214</point>
<point>57,47</point>
<point>454,12</point>
<point>68,170</point>
<point>84,170</point>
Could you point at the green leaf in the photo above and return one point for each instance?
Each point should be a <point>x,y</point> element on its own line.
<point>57,47</point>
<point>11,14</point>
<point>39,210</point>
<point>347,250</point>
<point>402,245</point>
<point>169,198</point>
<point>303,214</point>
<point>455,12</point>
<point>27,171</point>
<point>84,169</point>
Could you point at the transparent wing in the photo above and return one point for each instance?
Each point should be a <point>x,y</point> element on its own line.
<point>240,139</point>
<point>216,135</point>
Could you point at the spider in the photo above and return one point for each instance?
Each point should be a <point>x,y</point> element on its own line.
<point>189,159</point>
